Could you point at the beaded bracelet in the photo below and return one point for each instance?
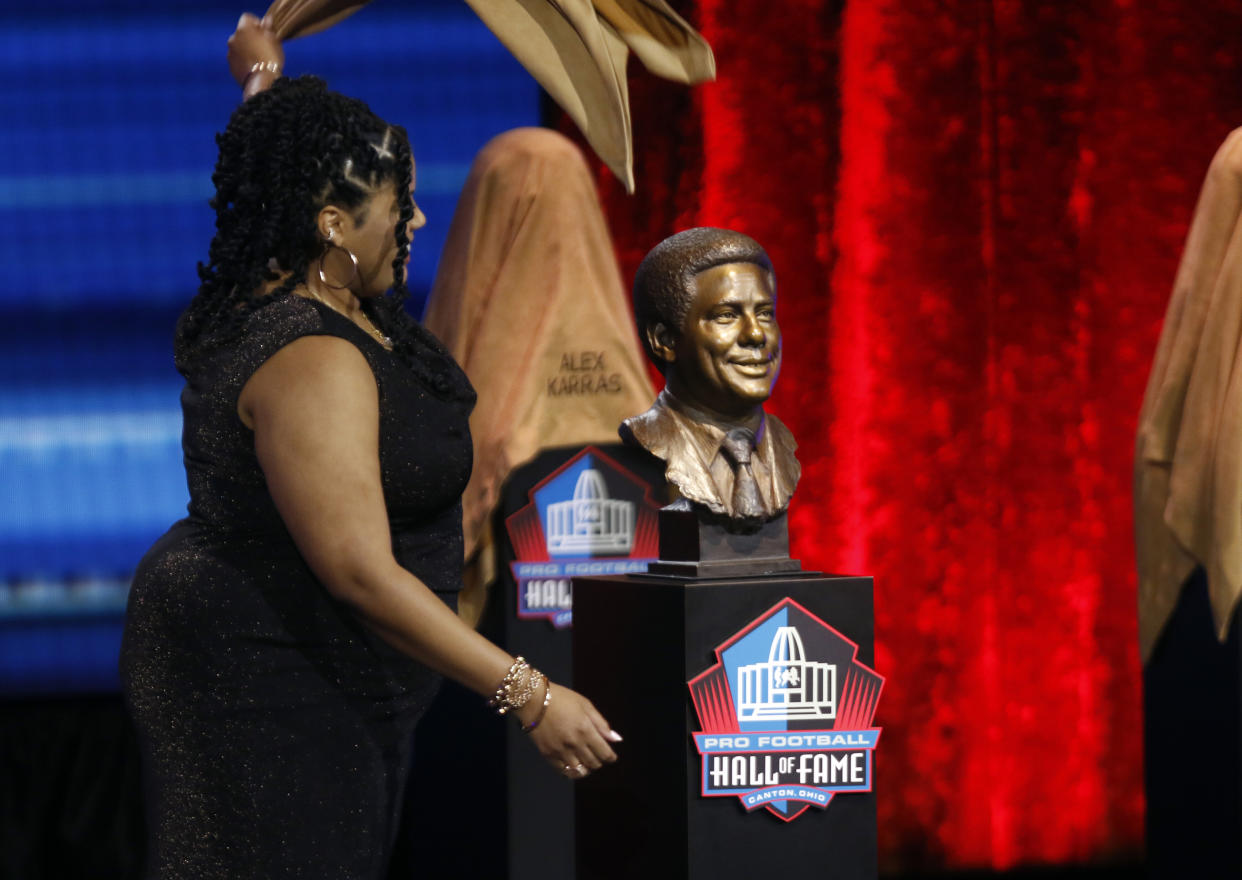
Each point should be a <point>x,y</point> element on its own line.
<point>517,687</point>
<point>543,710</point>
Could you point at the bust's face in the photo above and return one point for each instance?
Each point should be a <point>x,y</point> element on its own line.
<point>729,350</point>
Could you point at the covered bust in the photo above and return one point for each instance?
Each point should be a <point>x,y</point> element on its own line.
<point>528,298</point>
<point>1188,457</point>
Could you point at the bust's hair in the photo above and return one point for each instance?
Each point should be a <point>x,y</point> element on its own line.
<point>664,286</point>
<point>285,154</point>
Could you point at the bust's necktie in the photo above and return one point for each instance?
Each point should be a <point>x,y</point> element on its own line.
<point>737,446</point>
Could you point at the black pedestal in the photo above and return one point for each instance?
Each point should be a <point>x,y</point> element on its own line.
<point>639,641</point>
<point>482,802</point>
<point>691,546</point>
<point>540,802</point>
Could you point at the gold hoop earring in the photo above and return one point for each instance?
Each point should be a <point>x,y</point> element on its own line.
<point>323,277</point>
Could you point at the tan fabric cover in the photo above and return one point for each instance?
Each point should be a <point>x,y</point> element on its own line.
<point>576,49</point>
<point>528,283</point>
<point>1188,461</point>
<point>298,18</point>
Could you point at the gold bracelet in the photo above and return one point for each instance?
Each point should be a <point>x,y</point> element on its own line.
<point>543,710</point>
<point>501,701</point>
<point>269,66</point>
<point>517,687</point>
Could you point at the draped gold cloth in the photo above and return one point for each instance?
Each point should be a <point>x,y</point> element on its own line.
<point>529,300</point>
<point>1188,459</point>
<point>575,49</point>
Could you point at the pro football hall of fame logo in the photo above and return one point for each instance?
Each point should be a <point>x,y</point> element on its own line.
<point>786,715</point>
<point>588,517</point>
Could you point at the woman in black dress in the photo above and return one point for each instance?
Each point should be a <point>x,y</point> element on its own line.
<point>283,639</point>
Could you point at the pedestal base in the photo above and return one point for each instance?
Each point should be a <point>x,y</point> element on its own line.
<point>639,640</point>
<point>695,545</point>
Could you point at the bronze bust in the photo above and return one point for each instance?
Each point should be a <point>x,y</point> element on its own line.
<point>705,305</point>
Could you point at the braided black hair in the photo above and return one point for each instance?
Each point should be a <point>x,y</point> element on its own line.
<point>285,154</point>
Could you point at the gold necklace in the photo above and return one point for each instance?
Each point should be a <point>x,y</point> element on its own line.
<point>370,328</point>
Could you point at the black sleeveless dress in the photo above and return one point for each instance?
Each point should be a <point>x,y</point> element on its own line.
<point>275,726</point>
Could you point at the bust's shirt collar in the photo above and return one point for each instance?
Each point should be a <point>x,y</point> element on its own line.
<point>712,428</point>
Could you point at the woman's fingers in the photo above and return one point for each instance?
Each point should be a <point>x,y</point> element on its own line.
<point>577,759</point>
<point>590,750</point>
<point>587,756</point>
<point>602,725</point>
<point>570,767</point>
<point>589,741</point>
<point>599,748</point>
<point>600,734</point>
<point>574,738</point>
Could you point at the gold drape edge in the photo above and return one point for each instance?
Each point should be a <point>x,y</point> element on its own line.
<point>291,19</point>
<point>661,39</point>
<point>579,61</point>
<point>577,50</point>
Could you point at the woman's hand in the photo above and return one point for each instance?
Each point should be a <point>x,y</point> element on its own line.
<point>256,56</point>
<point>572,735</point>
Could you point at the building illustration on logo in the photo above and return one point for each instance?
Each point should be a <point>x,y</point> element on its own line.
<point>590,523</point>
<point>786,685</point>
<point>785,714</point>
<point>590,516</point>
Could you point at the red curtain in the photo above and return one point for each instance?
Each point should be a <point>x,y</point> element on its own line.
<point>975,210</point>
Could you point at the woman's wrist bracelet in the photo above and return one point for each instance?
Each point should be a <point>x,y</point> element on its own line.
<point>271,67</point>
<point>543,710</point>
<point>516,688</point>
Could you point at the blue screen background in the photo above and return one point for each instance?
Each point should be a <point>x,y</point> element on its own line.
<point>110,112</point>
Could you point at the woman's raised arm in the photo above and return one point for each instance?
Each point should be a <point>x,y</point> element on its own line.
<point>256,56</point>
